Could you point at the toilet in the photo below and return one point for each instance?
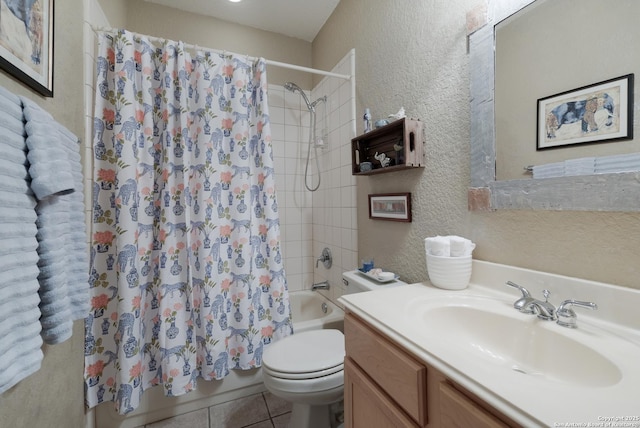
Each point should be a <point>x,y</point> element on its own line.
<point>307,369</point>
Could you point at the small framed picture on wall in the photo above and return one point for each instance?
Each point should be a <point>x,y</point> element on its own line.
<point>390,206</point>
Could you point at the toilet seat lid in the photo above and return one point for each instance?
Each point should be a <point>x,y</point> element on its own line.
<point>306,352</point>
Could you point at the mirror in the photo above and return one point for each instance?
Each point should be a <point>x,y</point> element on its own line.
<point>601,192</point>
<point>537,58</point>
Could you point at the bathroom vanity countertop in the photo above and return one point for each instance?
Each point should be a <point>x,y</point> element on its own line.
<point>606,394</point>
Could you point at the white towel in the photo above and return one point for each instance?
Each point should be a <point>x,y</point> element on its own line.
<point>78,262</point>
<point>548,170</point>
<point>56,173</point>
<point>581,166</point>
<point>458,246</point>
<point>629,162</point>
<point>20,343</point>
<point>49,166</point>
<point>438,246</point>
<point>449,246</point>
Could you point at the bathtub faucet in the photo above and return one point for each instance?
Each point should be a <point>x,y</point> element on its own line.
<point>324,285</point>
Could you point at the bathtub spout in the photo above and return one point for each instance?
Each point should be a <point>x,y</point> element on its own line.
<point>324,285</point>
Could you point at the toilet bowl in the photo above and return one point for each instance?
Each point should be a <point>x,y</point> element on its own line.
<point>307,369</point>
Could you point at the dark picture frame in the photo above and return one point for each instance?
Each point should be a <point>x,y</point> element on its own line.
<point>390,206</point>
<point>26,42</point>
<point>596,113</point>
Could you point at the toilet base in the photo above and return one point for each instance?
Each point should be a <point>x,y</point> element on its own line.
<point>308,416</point>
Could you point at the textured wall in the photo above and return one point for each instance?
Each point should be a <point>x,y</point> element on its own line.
<point>411,54</point>
<point>414,54</point>
<point>53,396</point>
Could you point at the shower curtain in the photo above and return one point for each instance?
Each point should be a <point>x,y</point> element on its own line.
<point>186,272</point>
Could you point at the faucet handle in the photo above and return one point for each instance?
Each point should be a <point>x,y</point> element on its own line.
<point>521,303</point>
<point>524,291</point>
<point>546,293</point>
<point>325,258</point>
<point>566,316</point>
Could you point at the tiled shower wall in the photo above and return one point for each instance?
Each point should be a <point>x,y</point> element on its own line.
<point>290,129</point>
<point>334,203</point>
<point>311,221</point>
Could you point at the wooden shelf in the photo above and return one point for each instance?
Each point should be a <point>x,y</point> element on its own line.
<point>404,132</point>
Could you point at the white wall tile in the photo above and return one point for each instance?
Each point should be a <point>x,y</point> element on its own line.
<point>277,115</point>
<point>327,217</point>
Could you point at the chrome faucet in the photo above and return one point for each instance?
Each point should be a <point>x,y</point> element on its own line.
<point>545,310</point>
<point>324,285</point>
<point>528,305</point>
<point>564,315</point>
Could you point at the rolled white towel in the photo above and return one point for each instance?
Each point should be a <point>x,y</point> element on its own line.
<point>437,246</point>
<point>448,246</point>
<point>460,247</point>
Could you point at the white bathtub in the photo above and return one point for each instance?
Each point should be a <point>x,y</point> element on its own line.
<point>306,313</point>
<point>310,310</point>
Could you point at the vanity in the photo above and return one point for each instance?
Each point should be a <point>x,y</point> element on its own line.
<point>387,386</point>
<point>419,356</point>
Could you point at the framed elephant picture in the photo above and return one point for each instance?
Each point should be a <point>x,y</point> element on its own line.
<point>26,42</point>
<point>600,112</point>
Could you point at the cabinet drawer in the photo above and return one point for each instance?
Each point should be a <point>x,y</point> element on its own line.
<point>457,410</point>
<point>396,372</point>
<point>366,406</point>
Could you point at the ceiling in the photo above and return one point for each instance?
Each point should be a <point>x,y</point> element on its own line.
<point>301,19</point>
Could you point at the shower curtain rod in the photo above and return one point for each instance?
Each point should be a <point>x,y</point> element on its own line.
<point>268,61</point>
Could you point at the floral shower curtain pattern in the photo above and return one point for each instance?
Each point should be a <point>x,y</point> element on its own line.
<point>186,274</point>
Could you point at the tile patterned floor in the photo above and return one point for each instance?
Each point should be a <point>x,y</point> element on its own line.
<point>262,410</point>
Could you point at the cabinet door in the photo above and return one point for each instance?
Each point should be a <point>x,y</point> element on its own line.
<point>458,411</point>
<point>396,372</point>
<point>367,406</point>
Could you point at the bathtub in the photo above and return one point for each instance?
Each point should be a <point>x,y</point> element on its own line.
<point>307,313</point>
<point>310,310</point>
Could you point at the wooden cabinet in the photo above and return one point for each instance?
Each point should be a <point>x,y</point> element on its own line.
<point>385,386</point>
<point>401,141</point>
<point>457,410</point>
<point>397,373</point>
<point>368,405</point>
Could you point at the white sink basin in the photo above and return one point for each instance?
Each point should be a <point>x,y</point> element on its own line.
<point>533,371</point>
<point>518,342</point>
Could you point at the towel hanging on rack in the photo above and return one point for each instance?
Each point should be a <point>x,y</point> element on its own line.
<point>20,353</point>
<point>56,180</point>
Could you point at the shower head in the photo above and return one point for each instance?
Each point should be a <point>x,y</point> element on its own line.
<point>290,86</point>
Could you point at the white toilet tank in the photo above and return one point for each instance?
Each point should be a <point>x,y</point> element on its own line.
<point>356,282</point>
